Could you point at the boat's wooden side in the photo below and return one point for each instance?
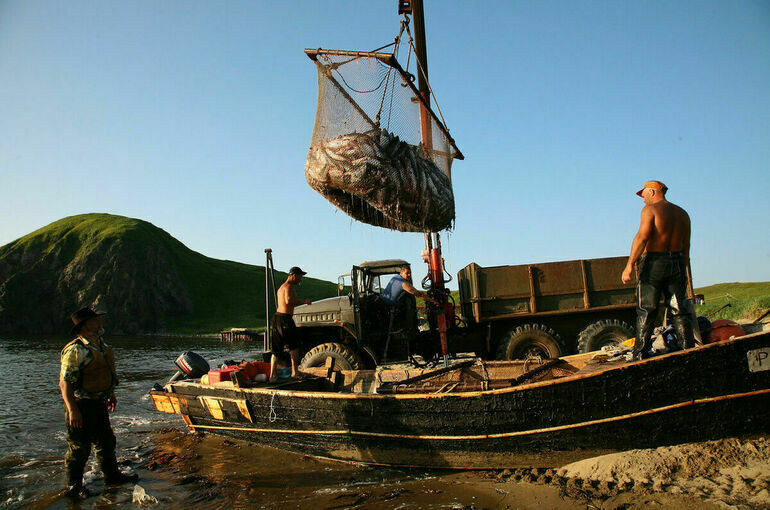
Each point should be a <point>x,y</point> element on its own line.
<point>695,395</point>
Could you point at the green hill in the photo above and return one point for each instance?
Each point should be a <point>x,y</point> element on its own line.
<point>145,279</point>
<point>746,301</point>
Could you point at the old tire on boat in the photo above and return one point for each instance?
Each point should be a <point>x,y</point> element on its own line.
<point>604,332</point>
<point>529,340</point>
<point>344,357</point>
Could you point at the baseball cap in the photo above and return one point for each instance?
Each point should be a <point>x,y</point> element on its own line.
<point>296,270</point>
<point>654,185</point>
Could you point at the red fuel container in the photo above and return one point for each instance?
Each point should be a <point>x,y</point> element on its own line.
<point>222,374</point>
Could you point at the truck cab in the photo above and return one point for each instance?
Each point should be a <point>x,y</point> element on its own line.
<point>357,328</point>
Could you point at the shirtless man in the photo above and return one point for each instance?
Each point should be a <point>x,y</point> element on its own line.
<point>284,332</point>
<point>662,247</point>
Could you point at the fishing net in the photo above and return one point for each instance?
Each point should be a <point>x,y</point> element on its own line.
<point>367,155</point>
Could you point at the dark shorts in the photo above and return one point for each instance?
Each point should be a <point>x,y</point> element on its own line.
<point>284,334</point>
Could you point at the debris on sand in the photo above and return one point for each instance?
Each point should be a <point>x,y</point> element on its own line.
<point>140,497</point>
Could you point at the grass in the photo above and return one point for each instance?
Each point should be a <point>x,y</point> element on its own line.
<point>222,293</point>
<point>746,301</point>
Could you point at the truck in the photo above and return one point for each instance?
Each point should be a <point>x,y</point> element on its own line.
<point>503,312</point>
<point>549,309</point>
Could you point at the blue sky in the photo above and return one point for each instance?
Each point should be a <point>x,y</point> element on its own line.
<point>197,117</point>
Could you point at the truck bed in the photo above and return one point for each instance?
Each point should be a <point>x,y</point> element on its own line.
<point>552,288</point>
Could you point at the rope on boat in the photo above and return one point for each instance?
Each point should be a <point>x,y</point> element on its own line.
<point>447,388</point>
<point>272,416</point>
<point>484,368</point>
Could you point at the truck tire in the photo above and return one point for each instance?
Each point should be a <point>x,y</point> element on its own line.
<point>604,332</point>
<point>529,340</point>
<point>344,357</point>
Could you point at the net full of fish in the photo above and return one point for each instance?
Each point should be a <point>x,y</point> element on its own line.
<point>378,179</point>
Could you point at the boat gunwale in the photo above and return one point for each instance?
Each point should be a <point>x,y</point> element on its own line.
<point>470,394</point>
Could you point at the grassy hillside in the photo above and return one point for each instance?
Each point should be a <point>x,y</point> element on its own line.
<point>747,300</point>
<point>146,279</point>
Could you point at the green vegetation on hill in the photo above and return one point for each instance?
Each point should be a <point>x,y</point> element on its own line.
<point>747,300</point>
<point>146,280</point>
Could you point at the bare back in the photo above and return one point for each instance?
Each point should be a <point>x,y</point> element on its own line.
<point>286,298</point>
<point>670,228</point>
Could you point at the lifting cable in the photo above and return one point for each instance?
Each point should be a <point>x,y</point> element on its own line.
<point>405,25</point>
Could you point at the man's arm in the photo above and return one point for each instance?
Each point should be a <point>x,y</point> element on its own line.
<point>73,411</point>
<point>411,290</point>
<point>295,301</point>
<point>69,374</point>
<point>641,238</point>
<point>686,246</point>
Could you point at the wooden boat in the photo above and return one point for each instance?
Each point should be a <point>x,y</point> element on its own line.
<point>494,414</point>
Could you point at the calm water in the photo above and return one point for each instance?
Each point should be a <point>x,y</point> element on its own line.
<point>179,469</point>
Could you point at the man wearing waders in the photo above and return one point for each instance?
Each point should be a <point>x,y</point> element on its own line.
<point>87,382</point>
<point>662,248</point>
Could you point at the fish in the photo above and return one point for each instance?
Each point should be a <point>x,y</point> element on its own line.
<point>378,179</point>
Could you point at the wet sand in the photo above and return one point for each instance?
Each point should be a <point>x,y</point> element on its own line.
<point>180,470</point>
<point>716,474</point>
<point>247,475</point>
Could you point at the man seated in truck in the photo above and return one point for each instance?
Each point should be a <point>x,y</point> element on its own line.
<point>399,284</point>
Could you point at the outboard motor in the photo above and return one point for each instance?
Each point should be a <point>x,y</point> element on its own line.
<point>190,365</point>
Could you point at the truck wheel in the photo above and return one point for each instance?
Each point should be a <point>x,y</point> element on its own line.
<point>344,357</point>
<point>529,340</point>
<point>604,332</point>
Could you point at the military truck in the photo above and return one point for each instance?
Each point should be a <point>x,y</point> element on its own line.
<point>549,309</point>
<point>358,329</point>
<point>504,312</point>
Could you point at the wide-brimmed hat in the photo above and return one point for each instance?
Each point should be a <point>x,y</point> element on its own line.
<point>296,270</point>
<point>81,316</point>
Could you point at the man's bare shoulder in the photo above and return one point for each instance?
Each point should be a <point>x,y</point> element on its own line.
<point>670,209</point>
<point>648,211</point>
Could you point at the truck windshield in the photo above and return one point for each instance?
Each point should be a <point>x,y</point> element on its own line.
<point>371,283</point>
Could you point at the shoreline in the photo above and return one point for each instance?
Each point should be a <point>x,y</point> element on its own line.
<point>695,476</point>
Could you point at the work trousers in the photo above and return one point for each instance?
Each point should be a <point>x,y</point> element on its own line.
<point>662,274</point>
<point>96,430</point>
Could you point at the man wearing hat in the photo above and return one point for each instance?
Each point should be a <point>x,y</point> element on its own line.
<point>662,248</point>
<point>284,331</point>
<point>87,382</point>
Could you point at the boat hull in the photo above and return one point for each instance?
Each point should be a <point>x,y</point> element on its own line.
<point>701,394</point>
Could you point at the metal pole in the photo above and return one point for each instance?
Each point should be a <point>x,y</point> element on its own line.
<point>432,239</point>
<point>268,344</point>
<point>421,54</point>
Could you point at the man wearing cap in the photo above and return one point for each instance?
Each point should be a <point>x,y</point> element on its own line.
<point>87,382</point>
<point>662,248</point>
<point>284,331</point>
